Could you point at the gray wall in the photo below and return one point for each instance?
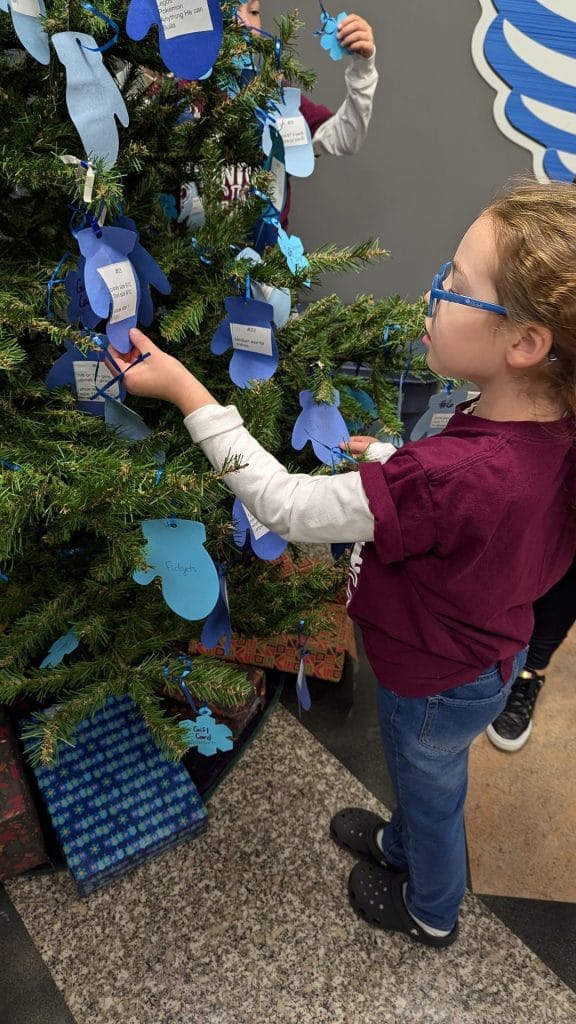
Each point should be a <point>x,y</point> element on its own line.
<point>433,157</point>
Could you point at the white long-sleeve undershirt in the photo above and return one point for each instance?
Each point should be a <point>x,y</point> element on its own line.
<point>343,134</point>
<point>298,507</point>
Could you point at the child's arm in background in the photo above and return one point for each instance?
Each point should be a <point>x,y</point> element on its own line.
<point>344,132</point>
<point>296,506</point>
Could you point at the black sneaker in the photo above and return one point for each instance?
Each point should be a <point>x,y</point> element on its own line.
<point>513,726</point>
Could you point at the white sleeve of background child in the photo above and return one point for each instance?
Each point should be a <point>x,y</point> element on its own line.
<point>344,132</point>
<point>309,509</point>
<point>379,451</point>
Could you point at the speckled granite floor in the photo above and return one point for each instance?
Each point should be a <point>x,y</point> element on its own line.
<point>250,923</point>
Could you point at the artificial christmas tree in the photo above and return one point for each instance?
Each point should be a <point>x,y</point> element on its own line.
<point>89,485</point>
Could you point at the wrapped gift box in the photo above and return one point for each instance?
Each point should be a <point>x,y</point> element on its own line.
<point>114,801</point>
<point>326,650</point>
<point>21,842</point>
<point>235,718</point>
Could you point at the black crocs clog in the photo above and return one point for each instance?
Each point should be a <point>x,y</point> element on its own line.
<point>376,896</point>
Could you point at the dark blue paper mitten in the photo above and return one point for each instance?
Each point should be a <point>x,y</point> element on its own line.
<point>249,329</point>
<point>218,623</point>
<point>110,281</point>
<point>84,374</point>
<point>321,424</point>
<point>148,271</point>
<point>266,545</point>
<point>78,308</point>
<point>189,32</point>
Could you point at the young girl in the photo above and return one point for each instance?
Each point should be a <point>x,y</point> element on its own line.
<point>342,133</point>
<point>460,533</point>
<point>334,134</point>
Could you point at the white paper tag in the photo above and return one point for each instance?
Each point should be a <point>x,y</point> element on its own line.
<point>440,419</point>
<point>278,172</point>
<point>89,376</point>
<point>30,7</point>
<point>121,283</point>
<point>180,17</point>
<point>292,130</point>
<point>258,529</point>
<point>249,338</point>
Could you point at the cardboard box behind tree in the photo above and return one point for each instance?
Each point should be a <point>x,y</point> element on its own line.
<point>235,718</point>
<point>21,841</point>
<point>327,649</point>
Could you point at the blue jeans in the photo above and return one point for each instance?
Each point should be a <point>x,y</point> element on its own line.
<point>426,742</point>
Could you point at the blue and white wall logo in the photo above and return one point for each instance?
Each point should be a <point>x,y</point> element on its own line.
<point>526,50</point>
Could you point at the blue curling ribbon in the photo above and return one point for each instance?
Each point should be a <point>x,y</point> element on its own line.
<point>302,691</point>
<point>201,252</point>
<point>278,52</point>
<point>104,344</point>
<point>186,661</point>
<point>112,24</point>
<point>387,329</point>
<point>93,223</point>
<point>4,577</point>
<point>51,284</point>
<point>264,117</point>
<point>336,454</point>
<point>116,380</point>
<point>10,465</point>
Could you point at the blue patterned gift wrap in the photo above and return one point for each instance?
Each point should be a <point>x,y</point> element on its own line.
<point>113,799</point>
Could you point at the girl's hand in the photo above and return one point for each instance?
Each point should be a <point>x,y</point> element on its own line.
<point>159,375</point>
<point>358,444</point>
<point>356,35</point>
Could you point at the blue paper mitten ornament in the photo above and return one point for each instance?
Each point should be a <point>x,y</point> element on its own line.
<point>92,96</point>
<point>321,424</point>
<point>189,33</point>
<point>279,298</point>
<point>148,272</point>
<point>110,280</point>
<point>329,35</point>
<point>440,411</point>
<point>293,250</point>
<point>218,623</point>
<point>296,136</point>
<point>248,328</point>
<point>26,16</point>
<point>60,648</point>
<point>78,308</point>
<point>266,545</point>
<point>124,422</point>
<point>84,374</point>
<point>206,734</point>
<point>175,551</point>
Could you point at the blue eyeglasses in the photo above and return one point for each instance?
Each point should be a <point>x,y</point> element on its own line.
<point>437,293</point>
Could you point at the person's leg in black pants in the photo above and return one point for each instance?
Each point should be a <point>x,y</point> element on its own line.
<point>554,616</point>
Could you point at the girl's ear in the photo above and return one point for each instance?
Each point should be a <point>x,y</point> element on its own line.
<point>529,346</point>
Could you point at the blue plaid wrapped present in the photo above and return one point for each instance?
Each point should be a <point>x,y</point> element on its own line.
<point>113,799</point>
